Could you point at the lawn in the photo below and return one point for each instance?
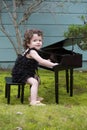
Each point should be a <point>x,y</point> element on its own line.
<point>69,114</point>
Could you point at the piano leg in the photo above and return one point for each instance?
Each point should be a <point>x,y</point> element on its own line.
<point>71,82</point>
<point>56,72</point>
<point>67,81</point>
<point>56,87</point>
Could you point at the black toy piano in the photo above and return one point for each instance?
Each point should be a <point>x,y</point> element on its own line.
<point>67,59</point>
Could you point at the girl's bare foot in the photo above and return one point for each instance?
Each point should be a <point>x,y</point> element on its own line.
<point>37,103</point>
<point>38,99</point>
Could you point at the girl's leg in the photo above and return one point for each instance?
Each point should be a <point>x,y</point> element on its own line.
<point>39,82</point>
<point>34,91</point>
<point>34,88</point>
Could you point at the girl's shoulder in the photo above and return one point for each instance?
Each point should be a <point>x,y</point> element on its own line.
<point>33,49</point>
<point>27,51</point>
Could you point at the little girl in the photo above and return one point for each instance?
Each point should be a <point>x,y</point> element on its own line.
<point>25,68</point>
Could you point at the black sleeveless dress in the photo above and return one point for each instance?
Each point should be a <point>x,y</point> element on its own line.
<point>24,68</point>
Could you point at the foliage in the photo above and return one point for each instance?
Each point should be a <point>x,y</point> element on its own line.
<point>69,114</point>
<point>78,32</point>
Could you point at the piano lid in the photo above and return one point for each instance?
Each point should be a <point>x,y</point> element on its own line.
<point>56,47</point>
<point>55,51</point>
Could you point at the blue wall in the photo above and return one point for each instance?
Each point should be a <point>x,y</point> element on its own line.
<point>52,19</point>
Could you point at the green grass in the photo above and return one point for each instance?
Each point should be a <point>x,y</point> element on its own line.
<point>69,114</point>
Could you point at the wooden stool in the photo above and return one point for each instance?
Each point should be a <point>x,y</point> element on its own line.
<point>8,83</point>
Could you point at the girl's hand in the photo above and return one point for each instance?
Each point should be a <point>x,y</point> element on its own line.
<point>56,64</point>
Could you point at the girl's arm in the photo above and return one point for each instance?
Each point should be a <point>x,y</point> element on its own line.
<point>40,60</point>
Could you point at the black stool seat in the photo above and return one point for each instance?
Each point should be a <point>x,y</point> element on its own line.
<point>8,83</point>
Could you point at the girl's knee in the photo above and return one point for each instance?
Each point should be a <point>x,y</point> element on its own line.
<point>32,81</point>
<point>35,81</point>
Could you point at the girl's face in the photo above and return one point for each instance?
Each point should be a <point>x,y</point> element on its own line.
<point>35,42</point>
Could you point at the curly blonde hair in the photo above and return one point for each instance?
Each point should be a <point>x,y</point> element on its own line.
<point>29,34</point>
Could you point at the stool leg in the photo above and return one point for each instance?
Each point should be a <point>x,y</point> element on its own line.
<point>22,94</point>
<point>8,93</point>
